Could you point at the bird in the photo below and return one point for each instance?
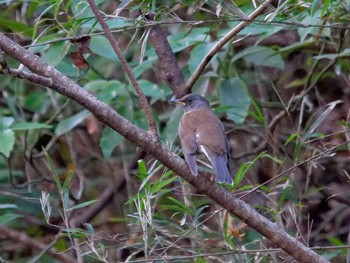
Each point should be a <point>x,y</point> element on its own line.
<point>201,131</point>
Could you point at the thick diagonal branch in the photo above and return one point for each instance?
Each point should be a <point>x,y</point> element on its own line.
<point>144,140</point>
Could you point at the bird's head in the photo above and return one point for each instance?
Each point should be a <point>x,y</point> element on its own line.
<point>191,102</point>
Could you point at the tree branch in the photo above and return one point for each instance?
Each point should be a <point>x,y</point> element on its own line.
<point>144,140</point>
<point>170,71</point>
<point>142,98</point>
<point>223,41</point>
<point>23,239</point>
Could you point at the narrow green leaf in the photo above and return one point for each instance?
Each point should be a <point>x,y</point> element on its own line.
<point>74,232</point>
<point>101,46</point>
<point>314,7</point>
<point>183,208</point>
<point>67,181</point>
<point>54,172</point>
<point>160,184</point>
<point>344,53</point>
<point>197,55</point>
<point>16,26</point>
<point>297,151</point>
<point>325,6</point>
<point>321,116</point>
<point>7,141</point>
<point>65,200</point>
<point>261,56</point>
<point>8,206</point>
<point>24,126</point>
<point>8,217</point>
<point>257,114</point>
<point>82,205</point>
<point>291,138</point>
<point>90,229</point>
<point>345,124</point>
<point>55,53</point>
<point>68,124</point>
<point>244,168</point>
<point>6,122</point>
<point>143,173</point>
<point>109,140</point>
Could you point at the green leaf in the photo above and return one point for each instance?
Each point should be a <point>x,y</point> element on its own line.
<point>107,90</point>
<point>7,141</point>
<point>68,124</point>
<point>155,91</point>
<point>322,114</point>
<point>53,172</point>
<point>291,138</point>
<point>8,206</point>
<point>65,199</point>
<point>101,46</point>
<point>161,183</point>
<point>184,208</point>
<point>8,217</point>
<point>36,100</point>
<point>325,6</point>
<point>90,229</point>
<point>24,126</point>
<point>234,97</point>
<point>16,26</point>
<point>304,33</point>
<point>297,150</point>
<point>257,114</point>
<point>171,128</point>
<point>82,205</point>
<point>186,39</point>
<point>314,7</point>
<point>261,56</point>
<point>345,124</point>
<point>109,140</point>
<point>335,241</point>
<point>143,173</point>
<point>197,54</point>
<point>55,53</point>
<point>6,122</point>
<point>344,53</point>
<point>67,180</point>
<point>150,173</point>
<point>244,168</point>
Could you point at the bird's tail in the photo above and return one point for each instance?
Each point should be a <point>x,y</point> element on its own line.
<point>221,169</point>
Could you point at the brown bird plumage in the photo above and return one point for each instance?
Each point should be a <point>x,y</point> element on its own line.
<point>201,131</point>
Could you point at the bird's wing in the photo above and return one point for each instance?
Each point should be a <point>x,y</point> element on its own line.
<point>210,133</point>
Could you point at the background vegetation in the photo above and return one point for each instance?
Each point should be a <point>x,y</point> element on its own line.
<point>74,188</point>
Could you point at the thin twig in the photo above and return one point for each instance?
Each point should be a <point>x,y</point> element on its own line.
<point>223,41</point>
<point>289,25</point>
<point>142,98</point>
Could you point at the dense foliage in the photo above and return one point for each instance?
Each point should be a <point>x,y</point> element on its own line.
<point>281,87</point>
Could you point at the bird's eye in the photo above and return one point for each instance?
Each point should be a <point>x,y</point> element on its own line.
<point>189,101</point>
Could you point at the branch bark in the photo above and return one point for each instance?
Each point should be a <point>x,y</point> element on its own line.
<point>144,140</point>
<point>170,71</point>
<point>223,41</point>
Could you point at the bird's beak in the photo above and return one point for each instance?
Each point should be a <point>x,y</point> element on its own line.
<point>176,101</point>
